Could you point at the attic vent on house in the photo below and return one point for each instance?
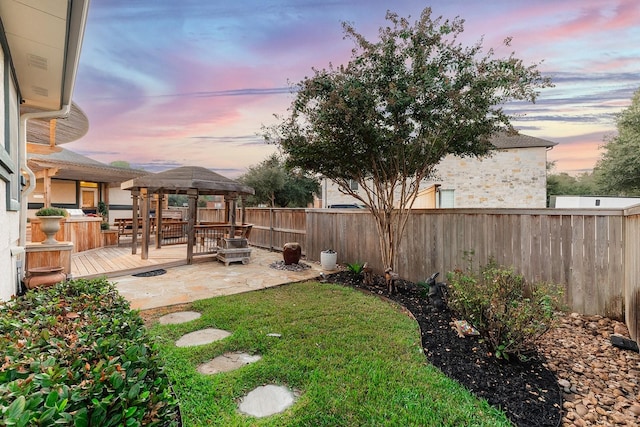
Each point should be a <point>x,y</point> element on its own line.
<point>37,61</point>
<point>42,91</point>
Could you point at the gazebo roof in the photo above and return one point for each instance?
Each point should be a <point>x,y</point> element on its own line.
<point>184,178</point>
<point>74,166</point>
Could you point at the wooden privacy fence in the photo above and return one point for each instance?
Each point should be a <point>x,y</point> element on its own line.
<point>272,227</point>
<point>594,254</point>
<point>632,271</point>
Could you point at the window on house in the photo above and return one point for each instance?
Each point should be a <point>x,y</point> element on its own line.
<point>9,127</point>
<point>446,199</point>
<point>353,184</point>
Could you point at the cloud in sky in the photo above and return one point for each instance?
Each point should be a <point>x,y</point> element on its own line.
<point>192,82</point>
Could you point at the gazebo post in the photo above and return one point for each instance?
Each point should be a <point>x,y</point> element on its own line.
<point>226,209</point>
<point>160,200</point>
<point>193,211</point>
<point>232,197</point>
<point>135,194</point>
<point>244,213</point>
<point>105,198</point>
<point>146,205</point>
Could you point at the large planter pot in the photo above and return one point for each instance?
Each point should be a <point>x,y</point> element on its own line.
<point>50,226</point>
<point>44,276</point>
<point>291,253</point>
<point>328,260</point>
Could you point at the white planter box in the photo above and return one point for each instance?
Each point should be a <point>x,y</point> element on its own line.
<point>328,260</point>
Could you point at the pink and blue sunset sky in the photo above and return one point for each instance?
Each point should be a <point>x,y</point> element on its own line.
<point>191,82</point>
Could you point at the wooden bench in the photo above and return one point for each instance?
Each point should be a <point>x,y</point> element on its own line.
<point>170,214</point>
<point>125,226</point>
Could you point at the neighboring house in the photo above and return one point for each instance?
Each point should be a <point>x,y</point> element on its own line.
<point>40,44</point>
<point>515,176</point>
<point>69,180</point>
<point>593,202</point>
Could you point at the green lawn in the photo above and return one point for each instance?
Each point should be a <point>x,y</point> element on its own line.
<point>355,360</point>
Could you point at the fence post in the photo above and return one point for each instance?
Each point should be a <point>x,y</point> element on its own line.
<point>271,229</point>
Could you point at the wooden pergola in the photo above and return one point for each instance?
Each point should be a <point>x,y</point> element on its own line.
<point>193,181</point>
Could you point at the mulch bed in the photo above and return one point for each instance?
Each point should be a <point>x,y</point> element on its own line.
<point>527,392</point>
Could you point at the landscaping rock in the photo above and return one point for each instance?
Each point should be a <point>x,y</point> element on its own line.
<point>606,388</point>
<point>280,265</point>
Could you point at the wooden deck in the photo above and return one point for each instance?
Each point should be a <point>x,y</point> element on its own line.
<point>118,261</point>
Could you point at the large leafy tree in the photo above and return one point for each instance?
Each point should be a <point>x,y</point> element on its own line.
<point>563,184</point>
<point>618,170</point>
<point>120,164</point>
<point>400,105</point>
<point>278,186</point>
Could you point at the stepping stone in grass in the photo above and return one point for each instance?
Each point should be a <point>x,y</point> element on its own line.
<point>266,400</point>
<point>201,337</point>
<point>228,362</point>
<point>179,317</point>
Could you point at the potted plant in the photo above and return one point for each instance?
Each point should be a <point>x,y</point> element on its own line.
<point>328,259</point>
<point>103,210</point>
<point>50,222</point>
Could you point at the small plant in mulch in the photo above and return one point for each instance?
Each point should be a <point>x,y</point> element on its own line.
<point>355,268</point>
<point>76,354</point>
<point>525,389</point>
<point>509,313</point>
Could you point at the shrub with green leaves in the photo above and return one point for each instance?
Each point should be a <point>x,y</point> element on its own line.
<point>51,212</point>
<point>76,354</point>
<point>509,313</point>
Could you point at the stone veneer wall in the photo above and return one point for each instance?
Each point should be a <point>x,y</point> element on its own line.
<point>513,178</point>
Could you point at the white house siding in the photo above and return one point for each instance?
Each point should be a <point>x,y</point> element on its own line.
<point>332,196</point>
<point>64,192</point>
<point>9,188</point>
<point>122,199</point>
<point>9,230</point>
<point>512,178</point>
